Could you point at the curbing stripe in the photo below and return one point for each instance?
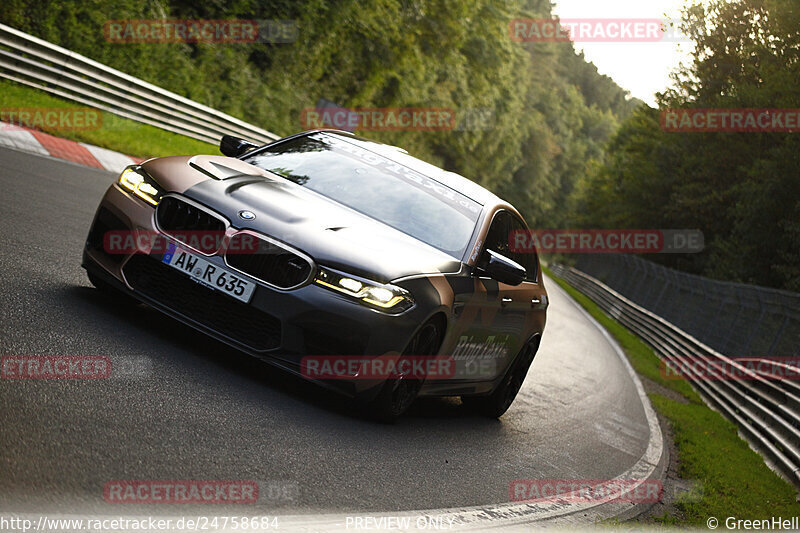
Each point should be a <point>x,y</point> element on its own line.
<point>40,143</point>
<point>110,160</point>
<point>64,149</point>
<point>20,139</point>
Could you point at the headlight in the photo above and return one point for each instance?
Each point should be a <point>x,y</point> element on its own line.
<point>135,180</point>
<point>384,297</point>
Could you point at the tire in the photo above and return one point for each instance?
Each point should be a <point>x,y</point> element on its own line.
<point>497,403</point>
<point>398,394</point>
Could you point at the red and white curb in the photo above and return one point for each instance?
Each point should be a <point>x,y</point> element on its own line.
<point>37,142</point>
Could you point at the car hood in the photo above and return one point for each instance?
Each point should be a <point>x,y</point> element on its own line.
<point>332,234</point>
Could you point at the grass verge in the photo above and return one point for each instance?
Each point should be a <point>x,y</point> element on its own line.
<point>115,132</point>
<point>731,479</point>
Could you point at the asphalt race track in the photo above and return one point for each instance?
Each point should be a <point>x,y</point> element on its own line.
<point>185,407</point>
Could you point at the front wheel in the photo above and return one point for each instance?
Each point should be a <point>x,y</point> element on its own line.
<point>398,393</point>
<point>497,403</point>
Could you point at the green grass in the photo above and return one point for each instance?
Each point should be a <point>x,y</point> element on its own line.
<point>731,479</point>
<point>115,133</point>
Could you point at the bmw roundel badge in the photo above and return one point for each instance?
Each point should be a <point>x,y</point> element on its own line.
<point>247,215</point>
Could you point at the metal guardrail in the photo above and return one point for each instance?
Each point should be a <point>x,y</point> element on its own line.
<point>37,63</point>
<point>767,411</point>
<point>737,319</point>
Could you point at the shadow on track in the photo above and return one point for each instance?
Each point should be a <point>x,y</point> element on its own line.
<point>170,332</point>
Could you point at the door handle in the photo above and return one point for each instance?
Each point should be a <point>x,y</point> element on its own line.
<point>505,301</point>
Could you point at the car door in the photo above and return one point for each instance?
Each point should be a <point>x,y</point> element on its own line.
<point>528,300</point>
<point>492,319</point>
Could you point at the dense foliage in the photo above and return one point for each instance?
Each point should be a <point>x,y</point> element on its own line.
<point>553,145</point>
<point>741,189</point>
<point>552,111</point>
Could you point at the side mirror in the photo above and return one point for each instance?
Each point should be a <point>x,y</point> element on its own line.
<point>234,146</point>
<point>504,270</point>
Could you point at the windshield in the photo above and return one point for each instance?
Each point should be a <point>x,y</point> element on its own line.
<point>376,186</point>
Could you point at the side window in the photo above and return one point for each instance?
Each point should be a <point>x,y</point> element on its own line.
<point>498,240</point>
<point>497,237</point>
<point>526,258</point>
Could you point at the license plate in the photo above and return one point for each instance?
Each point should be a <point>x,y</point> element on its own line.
<point>209,274</point>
